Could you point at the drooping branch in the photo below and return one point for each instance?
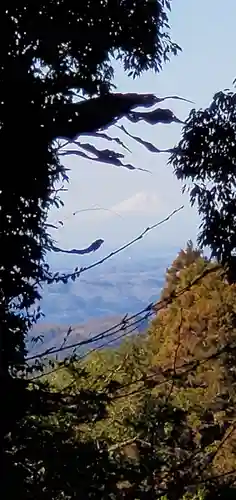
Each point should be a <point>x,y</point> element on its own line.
<point>95,245</point>
<point>87,117</point>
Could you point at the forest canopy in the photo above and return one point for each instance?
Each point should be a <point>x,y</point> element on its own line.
<point>168,418</point>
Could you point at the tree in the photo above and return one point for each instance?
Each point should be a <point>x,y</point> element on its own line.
<point>53,54</point>
<point>193,342</point>
<point>56,73</point>
<point>49,57</point>
<point>161,407</point>
<point>205,160</point>
<point>145,437</point>
<point>183,260</point>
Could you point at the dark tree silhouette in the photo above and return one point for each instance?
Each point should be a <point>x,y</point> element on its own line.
<point>52,55</point>
<point>205,158</point>
<point>52,52</point>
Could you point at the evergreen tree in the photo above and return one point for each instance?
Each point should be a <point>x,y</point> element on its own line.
<point>194,340</point>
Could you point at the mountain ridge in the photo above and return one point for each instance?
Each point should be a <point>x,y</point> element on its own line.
<point>99,300</point>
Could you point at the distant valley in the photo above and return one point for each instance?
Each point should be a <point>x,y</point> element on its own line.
<point>100,298</point>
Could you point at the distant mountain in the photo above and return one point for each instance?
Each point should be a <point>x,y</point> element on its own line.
<point>140,203</point>
<point>97,333</point>
<point>99,299</point>
<point>114,288</point>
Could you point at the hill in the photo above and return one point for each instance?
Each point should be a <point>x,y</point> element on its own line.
<point>106,330</point>
<point>99,300</point>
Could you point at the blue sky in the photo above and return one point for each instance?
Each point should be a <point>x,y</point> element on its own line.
<point>206,32</point>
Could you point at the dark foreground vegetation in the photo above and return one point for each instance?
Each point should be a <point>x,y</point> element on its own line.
<point>154,418</point>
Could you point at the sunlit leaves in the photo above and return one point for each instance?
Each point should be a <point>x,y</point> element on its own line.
<point>193,327</point>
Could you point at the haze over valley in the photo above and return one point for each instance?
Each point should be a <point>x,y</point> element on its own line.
<point>100,297</point>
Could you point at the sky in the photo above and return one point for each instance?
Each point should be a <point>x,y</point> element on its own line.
<point>133,200</point>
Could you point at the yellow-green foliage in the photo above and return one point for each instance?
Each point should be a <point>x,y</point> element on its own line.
<point>103,372</point>
<point>198,322</point>
<point>195,326</point>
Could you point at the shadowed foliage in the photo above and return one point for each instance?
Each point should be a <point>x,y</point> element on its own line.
<point>104,428</point>
<point>205,160</point>
<point>56,74</point>
<point>49,57</point>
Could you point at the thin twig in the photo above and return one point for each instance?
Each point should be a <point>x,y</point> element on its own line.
<point>76,274</point>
